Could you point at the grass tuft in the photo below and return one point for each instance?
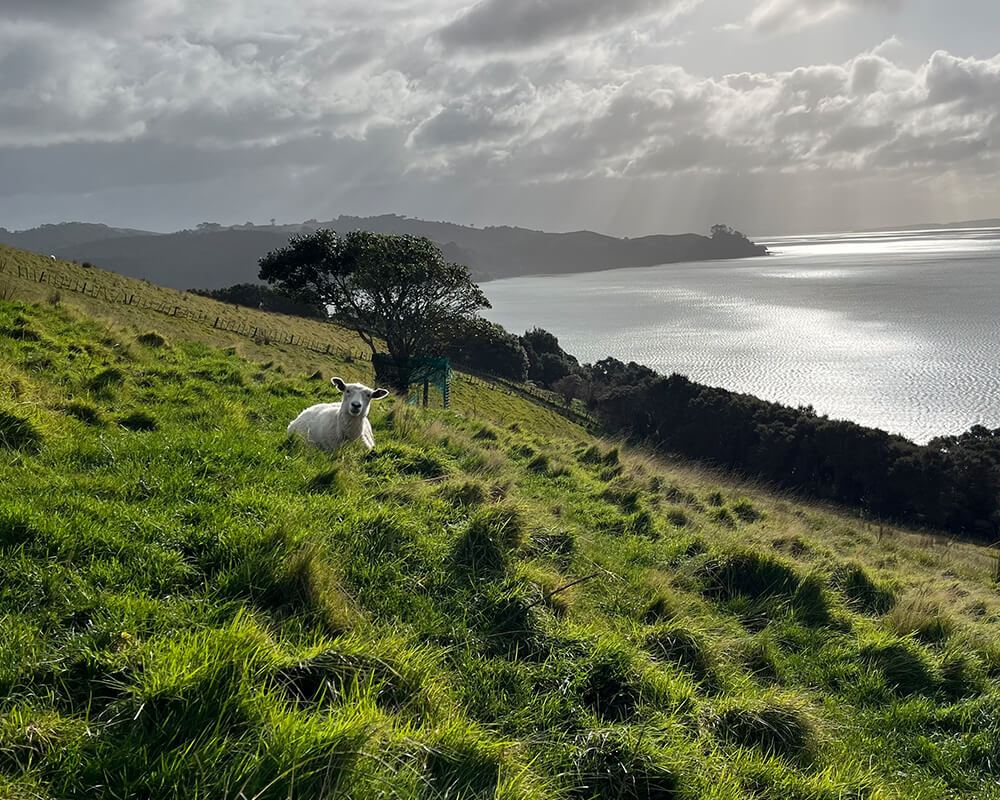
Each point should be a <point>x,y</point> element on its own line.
<point>860,591</point>
<point>17,433</point>
<point>85,412</point>
<point>774,725</point>
<point>138,421</point>
<point>151,339</point>
<point>675,644</point>
<point>106,378</point>
<point>484,548</point>
<point>614,765</point>
<point>906,668</point>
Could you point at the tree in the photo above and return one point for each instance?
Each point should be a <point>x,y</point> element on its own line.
<point>486,346</point>
<point>395,288</point>
<point>547,361</point>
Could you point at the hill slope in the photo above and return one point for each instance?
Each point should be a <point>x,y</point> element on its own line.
<point>493,604</point>
<point>216,257</point>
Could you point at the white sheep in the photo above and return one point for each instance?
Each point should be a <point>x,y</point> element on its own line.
<point>330,425</point>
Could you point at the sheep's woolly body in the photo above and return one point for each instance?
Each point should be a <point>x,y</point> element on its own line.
<point>326,427</point>
<point>330,425</point>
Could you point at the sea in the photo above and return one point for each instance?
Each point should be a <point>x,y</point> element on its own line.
<point>897,330</point>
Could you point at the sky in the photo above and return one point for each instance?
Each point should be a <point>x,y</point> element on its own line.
<point>627,117</point>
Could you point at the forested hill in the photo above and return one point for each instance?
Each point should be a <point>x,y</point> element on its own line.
<point>214,256</point>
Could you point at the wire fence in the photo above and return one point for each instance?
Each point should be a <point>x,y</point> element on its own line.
<point>267,335</point>
<point>260,333</point>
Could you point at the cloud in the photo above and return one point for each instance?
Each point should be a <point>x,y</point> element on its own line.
<point>523,23</point>
<point>175,94</point>
<point>772,16</point>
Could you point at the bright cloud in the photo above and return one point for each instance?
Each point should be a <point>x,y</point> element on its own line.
<point>391,98</point>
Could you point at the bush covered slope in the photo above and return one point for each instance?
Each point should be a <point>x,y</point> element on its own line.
<point>493,604</point>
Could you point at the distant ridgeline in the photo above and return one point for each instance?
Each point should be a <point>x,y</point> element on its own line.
<point>214,256</point>
<point>953,482</point>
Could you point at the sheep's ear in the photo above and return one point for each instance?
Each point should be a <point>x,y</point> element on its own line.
<point>339,384</point>
<point>378,394</point>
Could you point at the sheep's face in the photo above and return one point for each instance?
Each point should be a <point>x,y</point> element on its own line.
<point>357,396</point>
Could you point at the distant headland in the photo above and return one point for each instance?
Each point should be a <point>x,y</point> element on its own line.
<point>214,256</point>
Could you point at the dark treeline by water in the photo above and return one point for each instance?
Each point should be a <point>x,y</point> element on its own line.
<point>951,482</point>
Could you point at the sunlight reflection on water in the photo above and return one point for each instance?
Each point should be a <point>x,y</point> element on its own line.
<point>897,332</point>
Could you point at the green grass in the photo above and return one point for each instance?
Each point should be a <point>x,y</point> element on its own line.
<point>493,604</point>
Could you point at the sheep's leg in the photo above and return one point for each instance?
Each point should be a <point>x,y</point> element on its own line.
<point>367,437</point>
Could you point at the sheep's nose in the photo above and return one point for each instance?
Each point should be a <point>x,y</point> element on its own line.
<point>356,406</point>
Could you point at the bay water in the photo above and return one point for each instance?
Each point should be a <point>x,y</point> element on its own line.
<point>893,330</point>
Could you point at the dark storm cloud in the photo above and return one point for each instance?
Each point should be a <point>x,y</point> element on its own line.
<point>62,11</point>
<point>519,23</point>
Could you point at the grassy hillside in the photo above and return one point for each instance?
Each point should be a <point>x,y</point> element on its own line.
<point>493,604</point>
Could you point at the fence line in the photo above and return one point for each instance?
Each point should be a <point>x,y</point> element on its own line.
<point>266,335</point>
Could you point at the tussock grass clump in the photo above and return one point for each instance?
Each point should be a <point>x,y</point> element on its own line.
<point>290,583</point>
<point>459,764</point>
<point>922,614</point>
<point>21,332</point>
<point>332,481</point>
<point>906,668</point>
<point>151,339</point>
<point>106,378</point>
<point>406,461</point>
<point>85,412</point>
<point>748,574</point>
<point>723,516</point>
<point>962,674</point>
<point>467,494</point>
<point>17,433</point>
<point>615,765</point>
<point>861,592</point>
<point>759,656</point>
<point>138,421</point>
<point>622,494</point>
<point>486,433</point>
<point>608,463</point>
<point>745,510</point>
<point>492,533</point>
<point>356,669</point>
<point>810,601</point>
<point>675,644</point>
<point>612,688</point>
<point>558,545</point>
<point>775,725</point>
<point>677,517</point>
<point>508,621</point>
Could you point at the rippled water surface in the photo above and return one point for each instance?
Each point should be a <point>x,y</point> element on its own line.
<point>897,331</point>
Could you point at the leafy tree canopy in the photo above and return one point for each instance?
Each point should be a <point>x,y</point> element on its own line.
<point>397,288</point>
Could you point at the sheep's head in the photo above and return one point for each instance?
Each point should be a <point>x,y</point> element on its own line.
<point>357,396</point>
